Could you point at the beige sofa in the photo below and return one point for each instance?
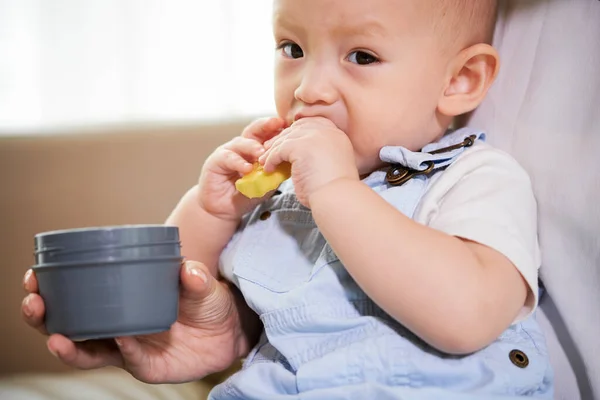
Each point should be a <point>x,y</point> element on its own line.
<point>107,176</point>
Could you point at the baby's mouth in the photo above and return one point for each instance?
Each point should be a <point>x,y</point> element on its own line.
<point>298,116</point>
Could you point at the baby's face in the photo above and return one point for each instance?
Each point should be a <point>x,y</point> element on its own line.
<point>372,67</point>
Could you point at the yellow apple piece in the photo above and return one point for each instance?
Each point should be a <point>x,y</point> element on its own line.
<point>257,183</point>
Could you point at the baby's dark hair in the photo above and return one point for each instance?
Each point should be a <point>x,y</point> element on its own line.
<point>465,22</point>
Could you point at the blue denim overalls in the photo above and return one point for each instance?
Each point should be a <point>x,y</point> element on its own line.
<point>325,339</point>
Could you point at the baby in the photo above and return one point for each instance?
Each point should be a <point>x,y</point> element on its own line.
<point>401,258</point>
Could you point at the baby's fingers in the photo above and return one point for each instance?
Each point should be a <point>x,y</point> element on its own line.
<point>33,311</point>
<point>264,129</point>
<point>275,156</point>
<point>85,355</point>
<point>237,156</point>
<point>231,163</point>
<point>277,139</point>
<point>249,149</point>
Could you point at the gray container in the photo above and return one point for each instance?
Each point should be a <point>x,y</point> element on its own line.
<point>109,281</point>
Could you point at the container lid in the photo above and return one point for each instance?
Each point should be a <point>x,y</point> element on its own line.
<point>96,237</point>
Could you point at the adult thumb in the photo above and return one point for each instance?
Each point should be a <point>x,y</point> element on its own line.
<point>203,301</point>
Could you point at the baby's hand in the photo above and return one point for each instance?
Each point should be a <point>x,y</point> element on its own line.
<point>319,152</point>
<point>217,192</point>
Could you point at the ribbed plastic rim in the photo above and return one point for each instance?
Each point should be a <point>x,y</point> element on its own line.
<point>50,266</point>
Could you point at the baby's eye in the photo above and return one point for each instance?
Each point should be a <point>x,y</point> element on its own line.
<point>292,50</point>
<point>362,58</point>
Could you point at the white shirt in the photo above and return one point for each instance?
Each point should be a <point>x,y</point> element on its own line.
<point>486,197</point>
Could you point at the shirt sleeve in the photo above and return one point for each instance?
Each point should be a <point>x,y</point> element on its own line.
<point>487,197</point>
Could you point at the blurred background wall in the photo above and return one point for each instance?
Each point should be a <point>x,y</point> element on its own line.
<point>85,62</point>
<point>108,109</point>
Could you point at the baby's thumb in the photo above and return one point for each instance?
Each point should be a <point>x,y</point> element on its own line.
<point>204,300</point>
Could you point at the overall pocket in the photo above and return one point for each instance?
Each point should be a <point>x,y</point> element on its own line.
<point>279,249</point>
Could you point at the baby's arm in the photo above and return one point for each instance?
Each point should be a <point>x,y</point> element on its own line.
<point>203,236</point>
<point>209,214</point>
<point>456,294</point>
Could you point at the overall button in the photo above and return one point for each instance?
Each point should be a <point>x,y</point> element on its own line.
<point>518,358</point>
<point>265,216</point>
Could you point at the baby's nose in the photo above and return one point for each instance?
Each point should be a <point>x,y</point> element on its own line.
<point>316,87</point>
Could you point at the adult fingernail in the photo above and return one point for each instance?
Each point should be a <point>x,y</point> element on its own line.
<point>26,278</point>
<point>27,307</point>
<point>195,271</point>
<point>119,342</point>
<point>53,352</point>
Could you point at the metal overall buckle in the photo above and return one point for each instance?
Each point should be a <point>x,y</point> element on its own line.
<point>398,175</point>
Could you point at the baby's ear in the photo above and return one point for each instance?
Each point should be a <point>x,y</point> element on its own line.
<point>470,75</point>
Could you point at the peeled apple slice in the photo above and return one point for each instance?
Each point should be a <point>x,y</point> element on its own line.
<point>258,183</point>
